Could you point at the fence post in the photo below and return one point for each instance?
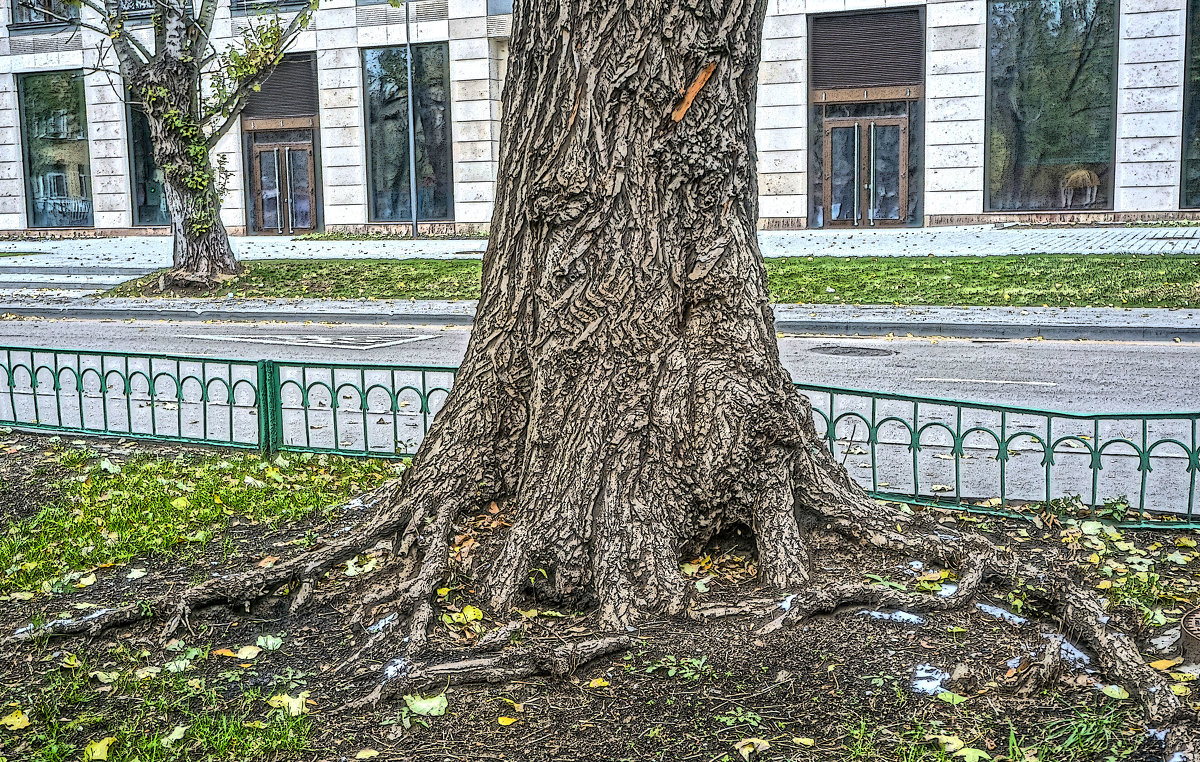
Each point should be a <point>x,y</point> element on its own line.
<point>270,409</point>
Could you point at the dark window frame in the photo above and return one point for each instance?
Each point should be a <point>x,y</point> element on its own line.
<point>372,217</point>
<point>45,25</point>
<point>27,144</point>
<point>1191,97</point>
<point>241,8</point>
<point>987,90</point>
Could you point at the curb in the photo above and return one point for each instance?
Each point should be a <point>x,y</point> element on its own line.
<point>901,325</point>
<point>1051,332</point>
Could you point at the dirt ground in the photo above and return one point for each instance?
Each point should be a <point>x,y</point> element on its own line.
<point>856,685</point>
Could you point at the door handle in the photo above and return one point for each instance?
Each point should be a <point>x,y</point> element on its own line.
<point>287,158</point>
<point>857,171</point>
<point>871,175</point>
<point>278,194</point>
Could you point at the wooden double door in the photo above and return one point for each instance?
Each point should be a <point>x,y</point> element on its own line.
<point>283,181</point>
<point>866,171</point>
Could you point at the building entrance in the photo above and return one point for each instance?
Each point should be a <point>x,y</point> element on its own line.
<point>282,186</point>
<point>866,171</point>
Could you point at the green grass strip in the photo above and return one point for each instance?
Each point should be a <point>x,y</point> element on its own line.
<point>1057,280</point>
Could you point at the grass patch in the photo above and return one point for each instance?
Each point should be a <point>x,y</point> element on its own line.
<point>167,716</point>
<point>111,512</point>
<point>335,279</point>
<point>19,253</point>
<point>1059,280</point>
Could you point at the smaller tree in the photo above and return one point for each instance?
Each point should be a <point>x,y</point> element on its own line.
<point>192,91</point>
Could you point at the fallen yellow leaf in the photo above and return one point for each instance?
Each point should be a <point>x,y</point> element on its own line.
<point>15,721</point>
<point>1165,664</point>
<point>506,721</point>
<point>86,581</point>
<point>599,682</point>
<point>97,751</point>
<point>294,705</point>
<point>366,754</point>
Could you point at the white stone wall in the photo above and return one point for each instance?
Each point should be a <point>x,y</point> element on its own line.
<point>471,85</point>
<point>955,82</point>
<point>12,170</point>
<point>12,173</point>
<point>1150,105</point>
<point>343,147</point>
<point>1149,123</point>
<point>782,114</point>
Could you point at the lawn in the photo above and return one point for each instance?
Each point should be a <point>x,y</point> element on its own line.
<point>257,683</point>
<point>1092,280</point>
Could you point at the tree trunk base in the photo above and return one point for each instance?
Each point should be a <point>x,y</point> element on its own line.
<point>422,544</point>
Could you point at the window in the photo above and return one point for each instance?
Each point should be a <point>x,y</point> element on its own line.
<point>1051,105</point>
<point>149,201</point>
<point>57,162</point>
<point>44,11</point>
<point>1191,111</point>
<point>388,127</point>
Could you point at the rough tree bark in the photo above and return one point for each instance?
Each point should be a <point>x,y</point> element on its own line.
<point>622,396</point>
<point>201,251</point>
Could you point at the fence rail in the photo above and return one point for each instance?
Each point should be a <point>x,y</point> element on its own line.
<point>988,458</point>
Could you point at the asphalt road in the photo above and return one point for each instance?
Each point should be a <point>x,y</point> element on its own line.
<point>1079,377</point>
<point>1075,376</point>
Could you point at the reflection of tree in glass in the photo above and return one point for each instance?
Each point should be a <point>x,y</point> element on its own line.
<point>387,86</point>
<point>1051,69</point>
<point>59,165</point>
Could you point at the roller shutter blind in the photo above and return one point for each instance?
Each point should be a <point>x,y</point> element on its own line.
<point>291,90</point>
<point>867,50</point>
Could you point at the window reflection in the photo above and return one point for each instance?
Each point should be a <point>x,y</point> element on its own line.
<point>149,201</point>
<point>1051,104</point>
<point>388,126</point>
<point>57,162</point>
<point>44,11</point>
<point>1191,121</point>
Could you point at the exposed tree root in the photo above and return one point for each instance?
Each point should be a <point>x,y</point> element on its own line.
<point>404,676</point>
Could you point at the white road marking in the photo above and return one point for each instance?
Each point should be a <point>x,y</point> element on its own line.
<point>984,381</point>
<point>362,343</point>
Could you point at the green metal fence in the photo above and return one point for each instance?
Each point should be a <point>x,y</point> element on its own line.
<point>1138,468</point>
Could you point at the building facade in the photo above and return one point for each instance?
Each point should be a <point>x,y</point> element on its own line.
<point>871,113</point>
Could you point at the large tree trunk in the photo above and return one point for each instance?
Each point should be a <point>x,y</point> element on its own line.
<point>622,397</point>
<point>622,387</point>
<point>201,253</point>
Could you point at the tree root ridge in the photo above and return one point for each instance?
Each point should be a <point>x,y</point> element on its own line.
<point>401,675</point>
<point>1079,610</point>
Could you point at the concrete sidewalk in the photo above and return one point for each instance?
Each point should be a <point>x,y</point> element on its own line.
<point>89,265</point>
<point>1097,324</point>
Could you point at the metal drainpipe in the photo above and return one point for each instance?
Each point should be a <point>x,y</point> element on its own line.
<point>412,122</point>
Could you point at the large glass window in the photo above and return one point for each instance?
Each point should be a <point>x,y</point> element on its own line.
<point>44,11</point>
<point>149,202</point>
<point>388,127</point>
<point>1051,101</point>
<point>1191,111</point>
<point>57,162</point>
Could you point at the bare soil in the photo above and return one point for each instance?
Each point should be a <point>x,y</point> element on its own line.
<point>838,687</point>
